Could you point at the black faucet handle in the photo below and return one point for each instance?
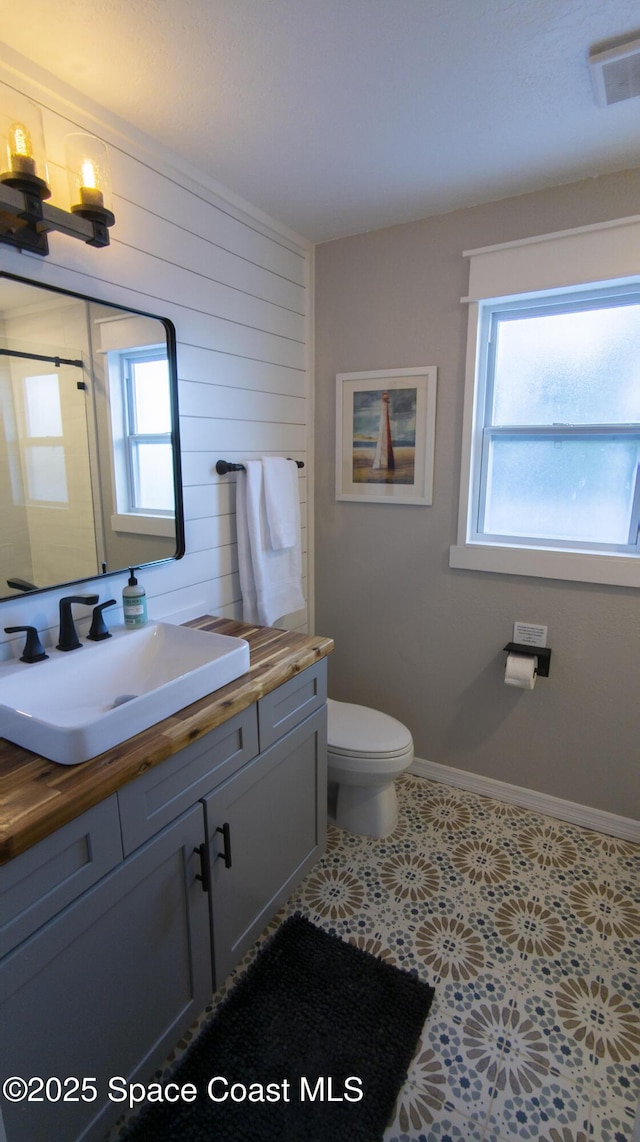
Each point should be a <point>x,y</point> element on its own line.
<point>33,648</point>
<point>98,626</point>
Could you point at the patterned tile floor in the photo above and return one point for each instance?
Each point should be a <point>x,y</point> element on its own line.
<point>529,928</point>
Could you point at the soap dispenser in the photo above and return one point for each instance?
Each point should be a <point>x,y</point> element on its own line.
<point>134,602</point>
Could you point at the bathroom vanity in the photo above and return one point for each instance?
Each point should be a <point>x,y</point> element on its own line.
<point>134,883</point>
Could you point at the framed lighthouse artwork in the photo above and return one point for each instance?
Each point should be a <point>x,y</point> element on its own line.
<point>385,435</point>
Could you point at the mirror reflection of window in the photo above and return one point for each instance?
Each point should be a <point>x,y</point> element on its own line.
<point>149,381</point>
<point>153,481</point>
<point>147,405</point>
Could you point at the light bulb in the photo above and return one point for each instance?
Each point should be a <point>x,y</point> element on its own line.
<point>20,150</point>
<point>87,161</point>
<point>88,175</point>
<point>90,192</point>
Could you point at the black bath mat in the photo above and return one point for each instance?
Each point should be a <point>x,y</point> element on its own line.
<point>319,1029</point>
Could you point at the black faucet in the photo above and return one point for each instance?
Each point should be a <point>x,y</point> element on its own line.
<point>68,637</point>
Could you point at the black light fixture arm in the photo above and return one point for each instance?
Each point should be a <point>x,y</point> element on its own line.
<point>25,221</point>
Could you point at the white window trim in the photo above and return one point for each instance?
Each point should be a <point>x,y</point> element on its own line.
<point>140,523</point>
<point>592,255</point>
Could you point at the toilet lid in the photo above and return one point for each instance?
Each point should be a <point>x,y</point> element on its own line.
<point>358,730</point>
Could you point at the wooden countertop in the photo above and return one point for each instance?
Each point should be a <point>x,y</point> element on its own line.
<point>38,796</point>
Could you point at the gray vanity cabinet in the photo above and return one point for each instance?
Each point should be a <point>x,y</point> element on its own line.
<point>106,987</point>
<point>265,828</point>
<point>111,926</point>
<point>262,779</point>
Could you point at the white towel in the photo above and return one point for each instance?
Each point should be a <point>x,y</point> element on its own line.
<point>281,498</point>
<point>271,580</point>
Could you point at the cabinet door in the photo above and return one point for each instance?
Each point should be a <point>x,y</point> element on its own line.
<point>108,986</point>
<point>269,822</point>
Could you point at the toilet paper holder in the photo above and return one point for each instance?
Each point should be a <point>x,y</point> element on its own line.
<point>542,653</point>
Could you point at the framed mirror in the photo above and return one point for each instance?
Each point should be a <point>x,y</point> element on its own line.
<point>89,441</point>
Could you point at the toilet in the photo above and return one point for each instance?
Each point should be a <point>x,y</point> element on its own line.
<point>366,751</point>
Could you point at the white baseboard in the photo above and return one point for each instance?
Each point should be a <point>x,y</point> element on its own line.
<point>624,827</point>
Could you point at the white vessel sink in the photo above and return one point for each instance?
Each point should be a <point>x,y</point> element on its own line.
<point>78,704</point>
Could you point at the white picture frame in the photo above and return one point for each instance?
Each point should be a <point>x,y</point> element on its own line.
<point>385,435</point>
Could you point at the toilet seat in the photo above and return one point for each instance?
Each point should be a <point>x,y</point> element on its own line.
<point>360,733</point>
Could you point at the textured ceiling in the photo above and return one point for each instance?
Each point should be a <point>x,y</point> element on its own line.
<point>338,116</point>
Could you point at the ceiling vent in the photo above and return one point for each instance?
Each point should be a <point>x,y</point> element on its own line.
<point>615,73</point>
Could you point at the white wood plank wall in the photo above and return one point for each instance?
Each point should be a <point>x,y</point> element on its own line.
<point>238,292</point>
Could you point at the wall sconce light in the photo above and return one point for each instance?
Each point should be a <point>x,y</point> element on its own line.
<point>89,178</point>
<point>25,216</point>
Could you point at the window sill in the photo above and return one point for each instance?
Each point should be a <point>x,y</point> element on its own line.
<point>575,566</point>
<point>164,525</point>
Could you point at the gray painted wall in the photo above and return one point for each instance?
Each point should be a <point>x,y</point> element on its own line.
<point>414,637</point>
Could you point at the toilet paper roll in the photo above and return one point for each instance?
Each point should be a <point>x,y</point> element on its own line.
<point>521,670</point>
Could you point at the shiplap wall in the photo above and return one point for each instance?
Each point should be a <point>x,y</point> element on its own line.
<point>237,288</point>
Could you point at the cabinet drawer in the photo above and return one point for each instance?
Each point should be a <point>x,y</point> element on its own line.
<point>155,799</point>
<point>40,882</point>
<point>291,703</point>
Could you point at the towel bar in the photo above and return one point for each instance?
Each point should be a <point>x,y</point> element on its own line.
<point>224,466</point>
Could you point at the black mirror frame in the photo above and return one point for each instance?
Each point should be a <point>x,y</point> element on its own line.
<point>172,360</point>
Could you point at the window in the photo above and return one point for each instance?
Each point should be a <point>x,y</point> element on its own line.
<point>146,484</point>
<point>558,441</point>
<point>148,405</point>
<point>551,458</point>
